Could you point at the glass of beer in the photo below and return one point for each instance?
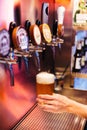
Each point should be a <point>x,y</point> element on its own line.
<point>45,83</point>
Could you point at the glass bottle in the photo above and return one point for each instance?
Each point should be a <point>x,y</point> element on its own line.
<point>85,48</point>
<point>77,58</point>
<point>83,54</point>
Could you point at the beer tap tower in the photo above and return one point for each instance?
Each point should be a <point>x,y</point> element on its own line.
<point>21,42</point>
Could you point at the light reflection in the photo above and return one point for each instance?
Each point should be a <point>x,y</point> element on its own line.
<point>6,13</point>
<point>16,2</point>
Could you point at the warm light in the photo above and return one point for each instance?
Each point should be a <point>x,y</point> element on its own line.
<point>63,2</point>
<point>16,2</point>
<point>6,13</point>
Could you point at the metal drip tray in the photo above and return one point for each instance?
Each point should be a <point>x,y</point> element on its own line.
<point>36,119</point>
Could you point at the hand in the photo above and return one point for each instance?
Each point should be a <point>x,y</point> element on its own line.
<point>55,103</point>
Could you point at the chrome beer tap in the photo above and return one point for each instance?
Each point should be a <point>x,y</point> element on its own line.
<point>6,55</point>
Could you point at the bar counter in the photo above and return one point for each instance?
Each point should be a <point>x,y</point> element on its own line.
<point>36,119</point>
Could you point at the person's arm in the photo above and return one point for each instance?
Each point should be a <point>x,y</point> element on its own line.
<point>78,108</point>
<point>57,103</point>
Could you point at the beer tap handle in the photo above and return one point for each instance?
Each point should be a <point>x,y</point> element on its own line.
<point>11,74</point>
<point>38,22</point>
<point>27,28</point>
<point>12,25</point>
<point>55,25</point>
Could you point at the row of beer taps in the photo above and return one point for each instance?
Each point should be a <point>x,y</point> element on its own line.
<point>11,53</point>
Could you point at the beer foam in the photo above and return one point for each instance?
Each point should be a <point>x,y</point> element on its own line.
<point>45,78</point>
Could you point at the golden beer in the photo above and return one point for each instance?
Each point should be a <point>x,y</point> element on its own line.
<point>44,83</point>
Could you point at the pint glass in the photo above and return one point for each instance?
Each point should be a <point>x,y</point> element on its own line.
<point>45,83</point>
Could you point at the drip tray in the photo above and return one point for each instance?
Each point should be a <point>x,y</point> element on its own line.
<point>36,119</point>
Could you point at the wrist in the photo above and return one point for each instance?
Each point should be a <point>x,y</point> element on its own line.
<point>77,108</point>
<point>72,105</point>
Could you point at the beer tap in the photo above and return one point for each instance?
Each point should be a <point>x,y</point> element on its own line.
<point>54,37</point>
<point>4,53</point>
<point>36,54</point>
<point>38,22</point>
<point>21,43</point>
<point>27,27</point>
<point>11,28</point>
<point>35,37</point>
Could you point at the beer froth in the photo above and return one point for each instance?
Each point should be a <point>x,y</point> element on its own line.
<point>45,78</point>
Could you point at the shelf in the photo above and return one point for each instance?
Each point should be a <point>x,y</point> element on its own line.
<point>79,75</point>
<point>80,27</point>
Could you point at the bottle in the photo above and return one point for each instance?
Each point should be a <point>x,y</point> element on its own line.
<point>85,48</point>
<point>83,54</point>
<point>77,58</point>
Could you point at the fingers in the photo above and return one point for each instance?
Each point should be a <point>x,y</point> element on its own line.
<point>45,101</point>
<point>45,96</point>
<point>53,103</point>
<point>48,99</point>
<point>48,108</point>
<point>54,96</point>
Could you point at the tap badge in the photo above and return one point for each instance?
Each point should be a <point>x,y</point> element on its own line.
<point>35,34</point>
<point>20,38</point>
<point>4,42</point>
<point>46,32</point>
